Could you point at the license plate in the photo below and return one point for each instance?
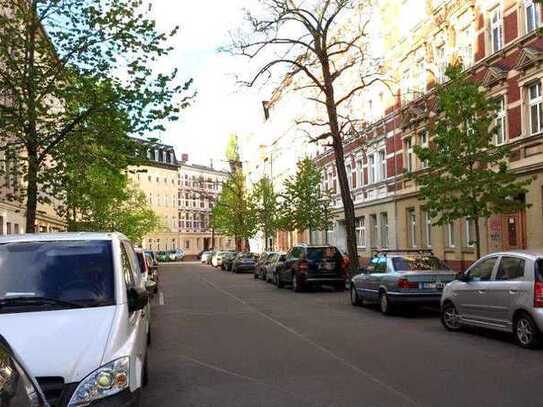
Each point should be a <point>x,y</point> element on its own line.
<point>432,286</point>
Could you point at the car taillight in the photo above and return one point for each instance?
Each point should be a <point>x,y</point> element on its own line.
<point>303,266</point>
<point>345,262</point>
<point>405,283</point>
<point>538,294</point>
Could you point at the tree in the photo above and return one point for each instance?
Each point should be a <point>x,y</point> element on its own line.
<point>56,56</point>
<point>305,206</point>
<point>266,207</point>
<point>324,45</point>
<point>234,214</point>
<point>127,212</point>
<point>467,175</point>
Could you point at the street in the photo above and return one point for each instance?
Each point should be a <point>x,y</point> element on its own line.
<point>223,339</point>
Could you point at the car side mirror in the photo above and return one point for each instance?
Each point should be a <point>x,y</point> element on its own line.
<point>138,298</point>
<point>463,277</point>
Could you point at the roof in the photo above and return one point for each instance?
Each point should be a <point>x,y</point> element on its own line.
<point>204,168</point>
<point>45,237</point>
<point>533,254</point>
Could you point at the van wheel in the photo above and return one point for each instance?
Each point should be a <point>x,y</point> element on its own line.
<point>527,334</point>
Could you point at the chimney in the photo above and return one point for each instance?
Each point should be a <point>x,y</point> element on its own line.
<point>184,157</point>
<point>211,163</point>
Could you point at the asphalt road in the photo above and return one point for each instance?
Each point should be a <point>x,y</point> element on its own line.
<point>222,339</point>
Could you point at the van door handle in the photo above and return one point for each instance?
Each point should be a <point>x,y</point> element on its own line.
<point>513,291</point>
<point>482,291</point>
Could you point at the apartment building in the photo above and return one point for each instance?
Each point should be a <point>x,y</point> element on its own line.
<point>498,43</point>
<point>183,195</point>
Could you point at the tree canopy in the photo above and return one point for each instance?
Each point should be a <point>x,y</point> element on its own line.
<point>467,174</point>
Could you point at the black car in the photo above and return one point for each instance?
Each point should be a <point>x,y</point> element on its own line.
<point>307,266</point>
<point>17,387</point>
<point>244,262</point>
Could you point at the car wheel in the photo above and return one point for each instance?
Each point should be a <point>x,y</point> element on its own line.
<point>354,297</point>
<point>149,337</point>
<point>278,281</point>
<point>450,318</point>
<point>526,332</point>
<point>296,286</point>
<point>385,305</point>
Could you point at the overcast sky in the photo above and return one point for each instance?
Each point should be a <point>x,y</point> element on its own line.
<point>222,107</point>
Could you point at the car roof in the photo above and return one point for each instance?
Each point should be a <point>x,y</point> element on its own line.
<point>47,237</point>
<point>532,254</point>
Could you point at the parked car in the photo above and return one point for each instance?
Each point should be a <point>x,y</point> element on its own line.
<point>176,255</point>
<point>163,257</point>
<point>244,262</point>
<point>80,296</point>
<point>216,258</point>
<point>261,264</point>
<point>227,260</point>
<point>307,266</point>
<point>145,264</point>
<point>501,291</point>
<point>396,278</point>
<point>17,387</point>
<point>210,257</point>
<point>205,256</point>
<point>275,265</point>
<point>153,256</point>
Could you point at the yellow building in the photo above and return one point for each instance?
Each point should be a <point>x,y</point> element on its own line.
<point>183,195</point>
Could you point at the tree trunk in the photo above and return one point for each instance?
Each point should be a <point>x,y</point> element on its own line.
<point>477,238</point>
<point>348,205</point>
<point>31,191</point>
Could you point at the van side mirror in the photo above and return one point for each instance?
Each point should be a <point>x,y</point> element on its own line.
<point>138,298</point>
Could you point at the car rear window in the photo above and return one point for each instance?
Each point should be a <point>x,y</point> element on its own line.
<point>418,263</point>
<point>319,253</point>
<point>76,271</point>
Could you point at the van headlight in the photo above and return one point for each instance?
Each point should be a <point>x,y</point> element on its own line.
<point>106,381</point>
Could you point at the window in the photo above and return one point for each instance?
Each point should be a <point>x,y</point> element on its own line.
<point>482,271</point>
<point>531,12</point>
<point>405,85</point>
<point>535,106</point>
<point>379,264</point>
<point>127,268</point>
<point>353,176</point>
<point>441,61</point>
<point>450,235</point>
<point>361,231</point>
<point>469,230</point>
<point>16,228</point>
<point>412,227</point>
<point>348,170</point>
<point>384,229</point>
<point>383,165</point>
<point>360,168</point>
<point>1,225</point>
<point>424,143</point>
<point>409,155</point>
<point>428,229</point>
<point>510,268</point>
<point>374,230</point>
<point>499,137</point>
<point>496,28</point>
<point>372,169</point>
<point>465,42</point>
<point>187,244</point>
<point>8,228</point>
<point>420,82</point>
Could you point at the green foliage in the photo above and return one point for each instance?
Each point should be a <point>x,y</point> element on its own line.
<point>304,205</point>
<point>126,212</point>
<point>235,212</point>
<point>467,175</point>
<point>64,65</point>
<point>266,206</point>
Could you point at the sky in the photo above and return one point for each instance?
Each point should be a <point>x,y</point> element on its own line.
<point>222,106</point>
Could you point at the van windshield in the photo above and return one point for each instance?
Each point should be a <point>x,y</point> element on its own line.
<point>76,273</point>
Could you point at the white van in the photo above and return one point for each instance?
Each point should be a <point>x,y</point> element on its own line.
<point>74,304</point>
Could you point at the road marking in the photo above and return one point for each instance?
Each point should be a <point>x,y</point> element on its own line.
<point>161,298</point>
<point>338,358</point>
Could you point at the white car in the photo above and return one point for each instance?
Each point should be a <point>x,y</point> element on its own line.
<point>74,304</point>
